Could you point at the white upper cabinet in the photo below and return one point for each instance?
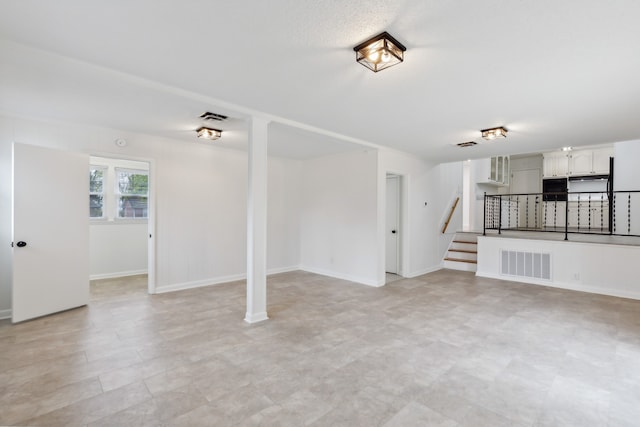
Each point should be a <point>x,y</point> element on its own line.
<point>555,165</point>
<point>601,160</point>
<point>580,162</point>
<point>577,163</point>
<point>495,170</point>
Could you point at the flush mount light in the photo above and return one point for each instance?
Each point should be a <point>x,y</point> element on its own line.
<point>567,148</point>
<point>380,52</point>
<point>209,133</point>
<point>493,133</point>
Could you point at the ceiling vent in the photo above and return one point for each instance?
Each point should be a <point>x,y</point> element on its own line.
<point>467,144</point>
<point>213,116</point>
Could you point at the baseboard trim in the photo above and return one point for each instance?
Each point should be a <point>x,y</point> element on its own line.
<point>580,288</point>
<point>5,314</point>
<point>423,272</point>
<point>255,318</point>
<point>218,280</point>
<point>356,279</point>
<point>118,274</point>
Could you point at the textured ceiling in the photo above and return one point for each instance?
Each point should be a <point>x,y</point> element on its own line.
<point>554,73</point>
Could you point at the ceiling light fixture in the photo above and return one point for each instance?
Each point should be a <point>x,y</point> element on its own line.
<point>380,52</point>
<point>567,148</point>
<point>209,133</point>
<point>493,133</point>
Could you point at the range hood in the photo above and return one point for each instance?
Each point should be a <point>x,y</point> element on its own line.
<point>589,178</point>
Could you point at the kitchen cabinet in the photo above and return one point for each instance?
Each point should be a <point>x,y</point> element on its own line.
<point>494,171</point>
<point>600,161</point>
<point>555,165</point>
<point>590,162</point>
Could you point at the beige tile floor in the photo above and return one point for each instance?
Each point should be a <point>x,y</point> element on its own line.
<point>444,349</point>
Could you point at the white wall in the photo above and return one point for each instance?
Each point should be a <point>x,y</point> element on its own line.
<point>338,220</point>
<point>427,193</point>
<point>117,250</point>
<point>283,214</point>
<point>201,192</point>
<point>598,268</point>
<point>627,178</point>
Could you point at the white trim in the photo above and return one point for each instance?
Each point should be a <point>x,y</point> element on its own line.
<point>199,283</point>
<point>218,280</point>
<point>255,318</point>
<point>5,314</point>
<point>282,270</point>
<point>356,279</point>
<point>581,288</point>
<point>424,271</point>
<point>117,274</point>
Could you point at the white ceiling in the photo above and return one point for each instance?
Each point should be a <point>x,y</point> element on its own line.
<point>555,73</point>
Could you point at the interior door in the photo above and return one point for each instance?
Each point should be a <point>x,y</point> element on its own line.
<point>392,217</point>
<point>50,219</point>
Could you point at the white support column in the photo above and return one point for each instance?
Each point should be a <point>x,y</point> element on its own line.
<point>257,222</point>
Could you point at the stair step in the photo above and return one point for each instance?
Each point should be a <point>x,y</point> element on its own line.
<point>465,241</point>
<point>463,250</point>
<point>470,261</point>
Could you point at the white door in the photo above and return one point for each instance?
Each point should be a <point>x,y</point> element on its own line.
<point>50,220</point>
<point>392,229</point>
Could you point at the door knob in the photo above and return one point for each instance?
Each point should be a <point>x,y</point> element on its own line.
<point>21,244</point>
<point>393,231</point>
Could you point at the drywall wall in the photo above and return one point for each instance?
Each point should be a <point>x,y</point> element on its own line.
<point>200,200</point>
<point>598,268</point>
<point>427,193</point>
<point>117,249</point>
<point>338,217</point>
<point>627,178</point>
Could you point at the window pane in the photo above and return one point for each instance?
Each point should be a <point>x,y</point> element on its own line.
<point>96,179</point>
<point>130,182</point>
<point>95,205</point>
<point>132,207</point>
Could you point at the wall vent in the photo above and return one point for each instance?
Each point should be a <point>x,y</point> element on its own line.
<point>213,116</point>
<point>467,144</point>
<point>526,264</point>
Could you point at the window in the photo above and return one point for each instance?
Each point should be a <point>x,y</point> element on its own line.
<point>96,191</point>
<point>132,191</point>
<point>118,190</point>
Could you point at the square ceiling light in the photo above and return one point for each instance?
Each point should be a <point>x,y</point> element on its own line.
<point>209,133</point>
<point>380,52</point>
<point>493,133</point>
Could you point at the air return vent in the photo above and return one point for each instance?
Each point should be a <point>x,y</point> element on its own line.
<point>467,144</point>
<point>213,116</point>
<point>526,264</point>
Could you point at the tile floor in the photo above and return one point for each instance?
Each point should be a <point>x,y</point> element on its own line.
<point>444,349</point>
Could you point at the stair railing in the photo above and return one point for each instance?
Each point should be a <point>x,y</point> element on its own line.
<point>448,220</point>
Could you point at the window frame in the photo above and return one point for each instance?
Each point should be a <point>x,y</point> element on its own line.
<point>118,194</point>
<point>102,193</point>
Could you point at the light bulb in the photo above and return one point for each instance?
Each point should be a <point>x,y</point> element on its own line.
<point>386,56</point>
<point>374,56</point>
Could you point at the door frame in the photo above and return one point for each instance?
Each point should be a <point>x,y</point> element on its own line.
<point>402,224</point>
<point>151,212</point>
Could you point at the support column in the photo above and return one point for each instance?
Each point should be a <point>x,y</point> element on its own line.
<point>257,222</point>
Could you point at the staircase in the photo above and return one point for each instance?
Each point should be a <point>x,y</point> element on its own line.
<point>462,253</point>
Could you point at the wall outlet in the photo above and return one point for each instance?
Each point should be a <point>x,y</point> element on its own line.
<point>576,276</point>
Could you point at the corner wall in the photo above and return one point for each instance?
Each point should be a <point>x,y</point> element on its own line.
<point>338,217</point>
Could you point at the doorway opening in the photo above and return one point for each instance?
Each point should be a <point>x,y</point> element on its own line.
<point>393,228</point>
<point>121,218</point>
